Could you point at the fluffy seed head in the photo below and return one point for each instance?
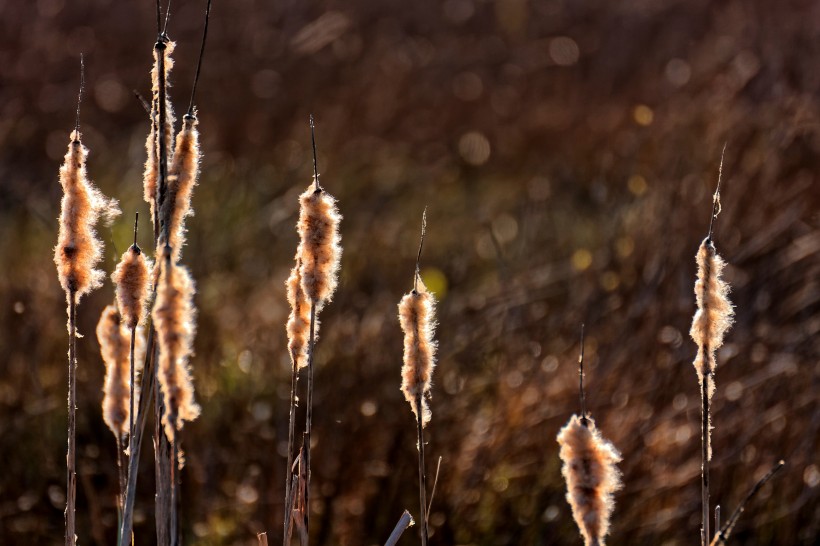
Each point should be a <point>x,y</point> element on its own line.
<point>182,177</point>
<point>299,320</point>
<point>320,246</point>
<point>591,476</point>
<point>115,346</point>
<point>715,313</point>
<point>173,316</point>
<point>78,250</point>
<point>131,280</point>
<point>418,322</point>
<point>151,172</point>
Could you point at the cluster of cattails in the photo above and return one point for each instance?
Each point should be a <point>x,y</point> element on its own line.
<point>310,286</point>
<point>162,291</point>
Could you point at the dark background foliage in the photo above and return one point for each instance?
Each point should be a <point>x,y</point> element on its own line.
<point>567,151</point>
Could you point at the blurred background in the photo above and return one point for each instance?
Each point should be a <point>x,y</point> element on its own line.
<point>566,150</point>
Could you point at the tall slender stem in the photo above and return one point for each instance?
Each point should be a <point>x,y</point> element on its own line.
<point>291,431</point>
<point>71,456</point>
<point>174,492</point>
<point>422,473</point>
<point>309,417</point>
<point>705,456</point>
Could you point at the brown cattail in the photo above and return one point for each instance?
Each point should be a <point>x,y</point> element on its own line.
<point>181,181</point>
<point>320,248</point>
<point>78,250</point>
<point>591,476</point>
<point>298,326</point>
<point>114,337</point>
<point>151,172</point>
<point>715,313</point>
<point>418,322</point>
<point>173,316</point>
<point>131,279</point>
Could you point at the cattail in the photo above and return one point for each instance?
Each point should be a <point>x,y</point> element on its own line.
<point>715,312</point>
<point>417,318</point>
<point>131,280</point>
<point>182,178</point>
<point>114,337</point>
<point>173,316</point>
<point>152,146</point>
<point>78,250</point>
<point>591,476</point>
<point>320,248</point>
<point>299,319</point>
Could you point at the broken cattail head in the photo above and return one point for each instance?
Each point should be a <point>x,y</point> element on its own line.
<point>320,246</point>
<point>78,249</point>
<point>417,319</point>
<point>591,477</point>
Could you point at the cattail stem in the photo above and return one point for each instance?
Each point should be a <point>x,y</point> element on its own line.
<point>120,472</point>
<point>71,478</point>
<point>135,442</point>
<point>405,521</point>
<point>309,416</point>
<point>162,455</point>
<point>174,492</point>
<point>291,431</point>
<point>705,418</point>
<point>422,473</point>
<point>162,144</point>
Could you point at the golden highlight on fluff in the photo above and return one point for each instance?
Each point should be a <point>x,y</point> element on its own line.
<point>715,312</point>
<point>151,172</point>
<point>591,476</point>
<point>320,247</point>
<point>298,327</point>
<point>78,249</point>
<point>131,280</point>
<point>115,347</point>
<point>418,322</point>
<point>174,320</point>
<point>182,177</point>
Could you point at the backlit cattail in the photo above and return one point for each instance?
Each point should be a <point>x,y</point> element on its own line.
<point>173,316</point>
<point>417,319</point>
<point>299,319</point>
<point>320,245</point>
<point>714,315</point>
<point>131,280</point>
<point>591,476</point>
<point>115,341</point>
<point>182,177</point>
<point>163,51</point>
<point>78,250</point>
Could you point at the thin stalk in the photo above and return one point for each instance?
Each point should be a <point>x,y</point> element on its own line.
<point>162,455</point>
<point>71,456</point>
<point>704,431</point>
<point>161,147</point>
<point>120,472</point>
<point>723,535</point>
<point>422,473</point>
<point>199,62</point>
<point>174,492</point>
<point>405,521</point>
<point>291,431</point>
<point>433,491</point>
<point>135,443</point>
<point>581,380</point>
<point>317,187</point>
<point>309,417</point>
<point>133,371</point>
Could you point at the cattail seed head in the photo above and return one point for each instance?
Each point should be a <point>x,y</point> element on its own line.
<point>173,316</point>
<point>591,476</point>
<point>418,322</point>
<point>182,177</point>
<point>115,347</point>
<point>715,312</point>
<point>131,280</point>
<point>78,249</point>
<point>320,248</point>
<point>299,320</point>
<point>151,171</point>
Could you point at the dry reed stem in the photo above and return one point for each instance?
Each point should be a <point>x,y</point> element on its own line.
<point>71,474</point>
<point>405,521</point>
<point>591,476</point>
